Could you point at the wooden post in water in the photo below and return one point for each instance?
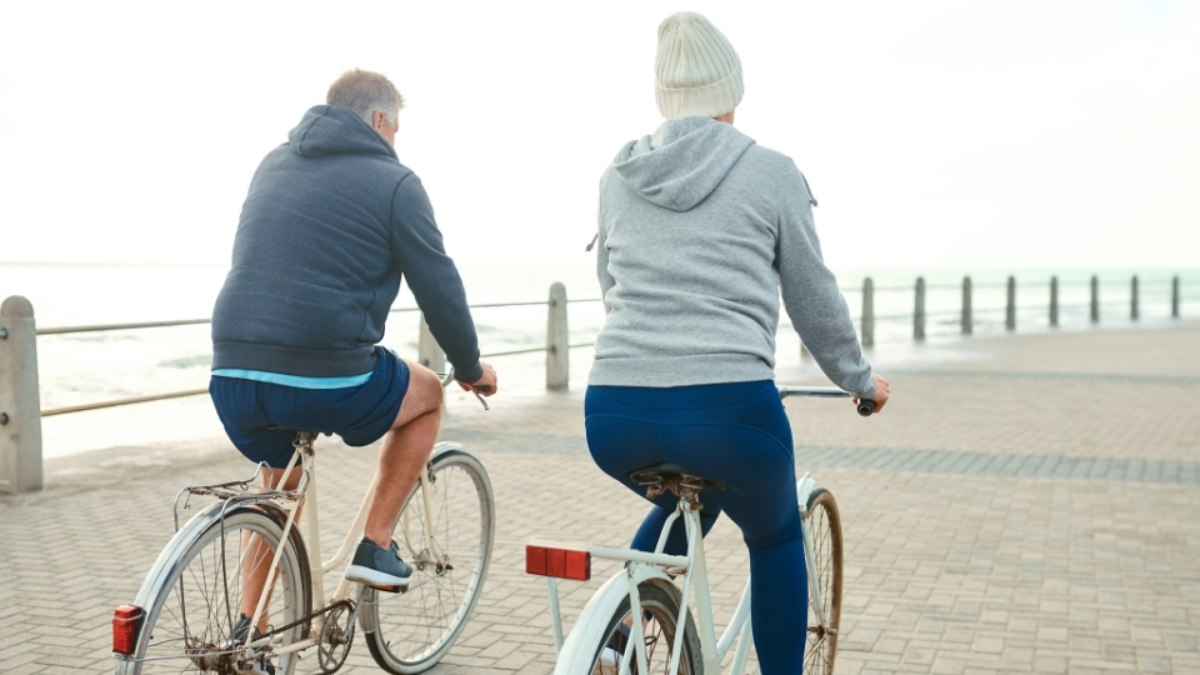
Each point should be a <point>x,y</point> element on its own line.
<point>868,313</point>
<point>968,326</point>
<point>1054,302</point>
<point>1010,312</point>
<point>919,311</point>
<point>1175,297</point>
<point>1095,299</point>
<point>1133,298</point>
<point>20,402</point>
<point>558,365</point>
<point>429,352</point>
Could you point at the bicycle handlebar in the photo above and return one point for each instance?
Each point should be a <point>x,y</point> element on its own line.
<point>449,377</point>
<point>865,407</point>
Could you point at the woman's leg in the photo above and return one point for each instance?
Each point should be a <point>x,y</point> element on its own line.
<point>747,445</point>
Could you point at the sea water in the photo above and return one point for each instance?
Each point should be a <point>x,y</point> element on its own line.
<point>83,368</point>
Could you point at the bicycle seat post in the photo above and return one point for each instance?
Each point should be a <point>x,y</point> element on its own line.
<point>303,443</point>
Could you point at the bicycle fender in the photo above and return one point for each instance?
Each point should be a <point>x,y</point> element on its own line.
<point>442,447</point>
<point>580,646</point>
<point>163,568</point>
<point>804,488</point>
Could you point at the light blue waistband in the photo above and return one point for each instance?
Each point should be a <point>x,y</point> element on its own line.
<point>298,381</point>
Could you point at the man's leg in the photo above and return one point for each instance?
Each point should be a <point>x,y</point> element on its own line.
<point>258,558</point>
<point>405,451</point>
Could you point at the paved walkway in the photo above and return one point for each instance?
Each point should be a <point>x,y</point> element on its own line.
<point>1027,504</point>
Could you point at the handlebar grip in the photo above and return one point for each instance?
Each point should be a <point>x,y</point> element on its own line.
<point>866,407</point>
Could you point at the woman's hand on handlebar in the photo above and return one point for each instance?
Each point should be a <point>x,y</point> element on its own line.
<point>882,391</point>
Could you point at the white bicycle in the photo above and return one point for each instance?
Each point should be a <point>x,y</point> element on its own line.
<point>185,616</point>
<point>671,592</point>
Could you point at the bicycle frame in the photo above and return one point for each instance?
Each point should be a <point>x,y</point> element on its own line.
<point>691,574</point>
<point>305,496</point>
<point>690,571</point>
<point>312,537</point>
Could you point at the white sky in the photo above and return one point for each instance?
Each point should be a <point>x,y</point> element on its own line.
<point>934,132</point>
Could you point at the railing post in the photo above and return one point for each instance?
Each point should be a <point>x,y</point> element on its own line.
<point>1095,299</point>
<point>429,352</point>
<point>868,313</point>
<point>919,311</point>
<point>1054,302</point>
<point>1175,297</point>
<point>20,402</point>
<point>1010,314</point>
<point>558,350</point>
<point>1133,298</point>
<point>967,320</point>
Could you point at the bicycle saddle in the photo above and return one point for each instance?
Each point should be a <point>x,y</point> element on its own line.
<point>660,478</point>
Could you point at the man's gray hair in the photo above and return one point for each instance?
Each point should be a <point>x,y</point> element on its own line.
<point>364,92</point>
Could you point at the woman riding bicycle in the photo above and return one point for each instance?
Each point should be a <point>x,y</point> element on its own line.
<point>699,230</point>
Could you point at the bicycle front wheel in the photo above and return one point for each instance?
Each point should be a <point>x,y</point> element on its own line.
<point>192,594</point>
<point>824,524</point>
<point>660,612</point>
<point>445,532</point>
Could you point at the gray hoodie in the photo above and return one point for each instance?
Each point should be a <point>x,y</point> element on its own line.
<point>700,228</point>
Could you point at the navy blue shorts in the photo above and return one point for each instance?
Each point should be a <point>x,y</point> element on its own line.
<point>361,415</point>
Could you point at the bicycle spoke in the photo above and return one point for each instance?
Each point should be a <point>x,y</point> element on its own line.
<point>445,532</point>
<point>190,618</point>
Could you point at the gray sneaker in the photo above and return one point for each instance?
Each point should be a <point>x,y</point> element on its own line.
<point>379,567</point>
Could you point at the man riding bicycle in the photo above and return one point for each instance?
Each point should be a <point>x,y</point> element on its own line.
<point>331,224</point>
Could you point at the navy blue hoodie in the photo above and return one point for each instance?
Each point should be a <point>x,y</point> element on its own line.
<point>331,224</point>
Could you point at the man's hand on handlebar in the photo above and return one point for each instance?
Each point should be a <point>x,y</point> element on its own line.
<point>486,384</point>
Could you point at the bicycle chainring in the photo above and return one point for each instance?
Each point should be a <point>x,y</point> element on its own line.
<point>337,634</point>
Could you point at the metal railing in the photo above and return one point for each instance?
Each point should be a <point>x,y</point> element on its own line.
<point>965,317</point>
<point>21,413</point>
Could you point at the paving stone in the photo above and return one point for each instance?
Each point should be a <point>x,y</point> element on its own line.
<point>1028,505</point>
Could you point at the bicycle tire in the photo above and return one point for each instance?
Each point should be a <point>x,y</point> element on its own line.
<point>411,631</point>
<point>660,605</point>
<point>192,592</point>
<point>825,525</point>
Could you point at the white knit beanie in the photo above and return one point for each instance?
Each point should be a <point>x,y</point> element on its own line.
<point>697,72</point>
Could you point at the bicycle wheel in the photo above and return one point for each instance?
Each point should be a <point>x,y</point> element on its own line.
<point>825,570</point>
<point>660,609</point>
<point>445,532</point>
<point>193,591</point>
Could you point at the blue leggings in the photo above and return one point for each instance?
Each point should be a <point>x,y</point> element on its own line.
<point>738,435</point>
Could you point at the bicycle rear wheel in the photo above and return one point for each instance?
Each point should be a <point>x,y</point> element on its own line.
<point>660,609</point>
<point>192,593</point>
<point>825,571</point>
<point>445,532</point>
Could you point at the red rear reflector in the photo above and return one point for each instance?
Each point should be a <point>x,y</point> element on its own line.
<point>549,561</point>
<point>127,620</point>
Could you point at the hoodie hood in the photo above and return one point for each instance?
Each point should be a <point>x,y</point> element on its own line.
<point>334,130</point>
<point>682,162</point>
